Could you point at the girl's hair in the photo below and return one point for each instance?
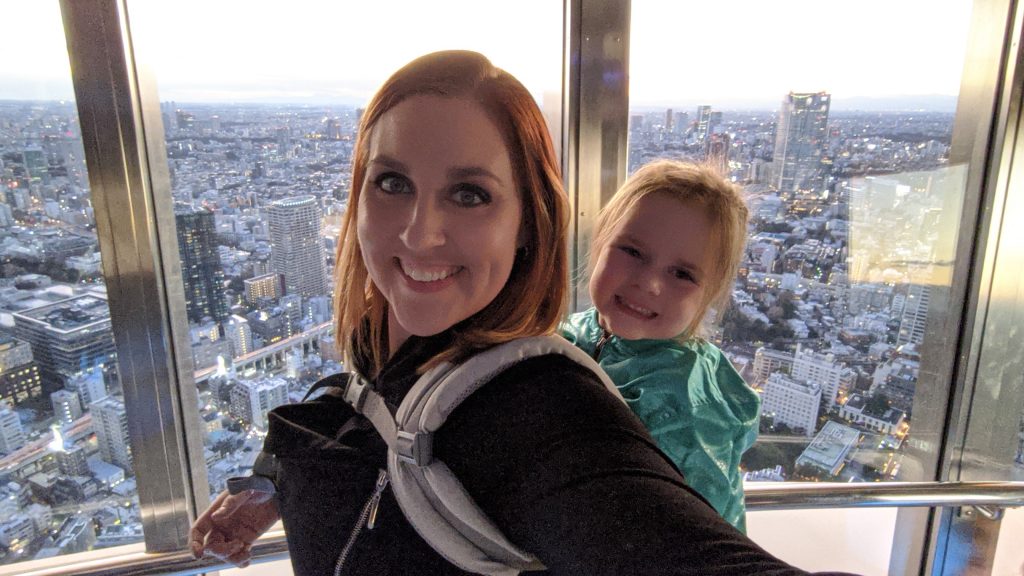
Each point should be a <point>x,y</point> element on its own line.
<point>695,185</point>
<point>534,298</point>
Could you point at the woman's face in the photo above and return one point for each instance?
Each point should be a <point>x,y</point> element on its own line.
<point>439,213</point>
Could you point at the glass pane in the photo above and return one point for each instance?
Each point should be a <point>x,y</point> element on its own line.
<point>66,479</point>
<point>259,137</point>
<point>844,160</point>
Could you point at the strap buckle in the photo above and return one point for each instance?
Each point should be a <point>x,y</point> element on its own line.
<point>355,391</point>
<point>414,447</point>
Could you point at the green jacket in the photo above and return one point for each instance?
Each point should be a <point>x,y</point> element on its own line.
<point>693,402</point>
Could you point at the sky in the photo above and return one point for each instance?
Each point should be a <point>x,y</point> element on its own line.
<point>728,51</point>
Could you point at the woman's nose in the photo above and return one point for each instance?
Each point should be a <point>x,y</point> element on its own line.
<point>425,227</point>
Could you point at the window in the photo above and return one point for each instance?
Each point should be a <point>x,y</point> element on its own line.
<point>65,457</point>
<point>855,205</point>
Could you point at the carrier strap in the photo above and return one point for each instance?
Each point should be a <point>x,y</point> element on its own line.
<point>431,497</point>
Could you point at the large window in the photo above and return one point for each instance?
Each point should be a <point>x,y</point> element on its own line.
<point>67,482</point>
<point>855,206</point>
<point>260,110</point>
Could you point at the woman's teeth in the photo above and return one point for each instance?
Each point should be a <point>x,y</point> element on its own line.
<point>429,274</point>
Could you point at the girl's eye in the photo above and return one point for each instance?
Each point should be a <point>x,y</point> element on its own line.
<point>629,250</point>
<point>681,274</point>
<point>470,195</point>
<point>392,183</point>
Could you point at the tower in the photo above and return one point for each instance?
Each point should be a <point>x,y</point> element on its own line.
<point>296,244</point>
<point>703,123</point>
<point>800,141</point>
<point>201,269</point>
<point>110,422</point>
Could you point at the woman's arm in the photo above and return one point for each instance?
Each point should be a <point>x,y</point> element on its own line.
<point>569,474</point>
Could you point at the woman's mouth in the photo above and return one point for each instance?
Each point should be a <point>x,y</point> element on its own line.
<point>427,274</point>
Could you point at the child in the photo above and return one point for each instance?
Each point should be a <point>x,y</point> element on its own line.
<point>665,250</point>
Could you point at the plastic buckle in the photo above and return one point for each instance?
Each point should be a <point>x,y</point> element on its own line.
<point>355,391</point>
<point>414,447</point>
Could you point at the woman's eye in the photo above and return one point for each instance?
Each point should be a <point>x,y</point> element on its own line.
<point>392,183</point>
<point>470,196</point>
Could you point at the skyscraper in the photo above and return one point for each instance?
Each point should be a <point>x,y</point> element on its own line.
<point>201,269</point>
<point>801,138</point>
<point>703,123</point>
<point>110,422</point>
<point>297,248</point>
<point>915,315</point>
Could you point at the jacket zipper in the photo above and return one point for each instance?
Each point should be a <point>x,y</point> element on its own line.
<point>367,517</point>
<point>605,336</point>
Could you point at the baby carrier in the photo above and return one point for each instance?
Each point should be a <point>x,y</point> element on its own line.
<point>428,493</point>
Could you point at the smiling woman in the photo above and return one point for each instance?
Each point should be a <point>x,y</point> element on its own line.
<point>455,242</point>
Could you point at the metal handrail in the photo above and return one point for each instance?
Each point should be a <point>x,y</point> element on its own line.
<point>796,496</point>
<point>760,496</point>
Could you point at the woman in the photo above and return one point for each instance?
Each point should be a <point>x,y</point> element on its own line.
<point>455,241</point>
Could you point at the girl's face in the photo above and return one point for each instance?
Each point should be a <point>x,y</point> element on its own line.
<point>439,214</point>
<point>649,280</point>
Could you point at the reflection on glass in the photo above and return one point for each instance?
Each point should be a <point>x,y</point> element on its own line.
<point>854,211</point>
<point>66,478</point>
<point>259,142</point>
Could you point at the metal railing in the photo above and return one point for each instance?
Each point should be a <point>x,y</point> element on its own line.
<point>988,497</point>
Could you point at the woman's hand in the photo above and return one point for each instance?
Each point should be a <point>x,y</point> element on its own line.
<point>231,524</point>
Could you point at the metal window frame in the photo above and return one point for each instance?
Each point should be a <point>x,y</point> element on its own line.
<point>596,114</point>
<point>130,190</point>
<point>123,138</point>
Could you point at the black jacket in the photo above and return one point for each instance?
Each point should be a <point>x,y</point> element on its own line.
<point>561,466</point>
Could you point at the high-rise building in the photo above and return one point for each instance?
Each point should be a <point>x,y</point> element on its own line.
<point>251,400</point>
<point>297,247</point>
<point>89,385</point>
<point>823,369</point>
<point>669,118</point>
<point>791,402</point>
<point>66,406</point>
<point>703,129</point>
<point>110,422</point>
<point>68,337</point>
<point>680,123</point>
<point>716,153</point>
<point>19,374</point>
<point>263,286</point>
<point>12,435</point>
<point>72,461</point>
<point>238,333</point>
<point>915,315</point>
<point>768,361</point>
<point>201,268</point>
<point>801,138</point>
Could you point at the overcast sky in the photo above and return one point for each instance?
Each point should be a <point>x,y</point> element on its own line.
<point>339,51</point>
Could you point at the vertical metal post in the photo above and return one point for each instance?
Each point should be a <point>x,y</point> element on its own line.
<point>165,451</point>
<point>596,117</point>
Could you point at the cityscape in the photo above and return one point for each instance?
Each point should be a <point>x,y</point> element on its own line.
<point>853,228</point>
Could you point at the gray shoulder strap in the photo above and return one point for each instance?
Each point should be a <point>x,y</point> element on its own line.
<point>430,496</point>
